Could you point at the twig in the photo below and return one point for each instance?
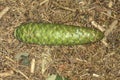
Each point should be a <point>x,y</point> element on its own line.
<point>44,2</point>
<point>8,58</point>
<point>110,4</point>
<point>104,42</point>
<point>112,26</point>
<point>32,69</point>
<point>5,10</point>
<point>5,74</point>
<point>46,60</point>
<point>109,15</point>
<point>66,8</point>
<point>96,75</point>
<point>109,55</point>
<point>81,60</point>
<point>95,24</point>
<point>87,74</point>
<point>18,71</point>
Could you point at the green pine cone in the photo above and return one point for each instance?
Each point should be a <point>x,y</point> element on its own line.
<point>56,34</point>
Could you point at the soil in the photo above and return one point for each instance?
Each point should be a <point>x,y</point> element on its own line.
<point>95,61</point>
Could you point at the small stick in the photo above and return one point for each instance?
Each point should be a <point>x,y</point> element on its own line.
<point>8,58</point>
<point>87,74</point>
<point>81,60</point>
<point>5,74</point>
<point>109,15</point>
<point>46,60</point>
<point>104,42</point>
<point>95,24</point>
<point>5,10</point>
<point>110,4</point>
<point>32,69</point>
<point>96,75</point>
<point>66,8</point>
<point>112,26</point>
<point>18,71</point>
<point>44,2</point>
<point>109,55</point>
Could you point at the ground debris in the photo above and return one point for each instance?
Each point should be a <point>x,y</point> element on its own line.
<point>93,61</point>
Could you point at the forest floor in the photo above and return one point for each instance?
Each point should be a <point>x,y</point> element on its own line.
<point>95,61</point>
